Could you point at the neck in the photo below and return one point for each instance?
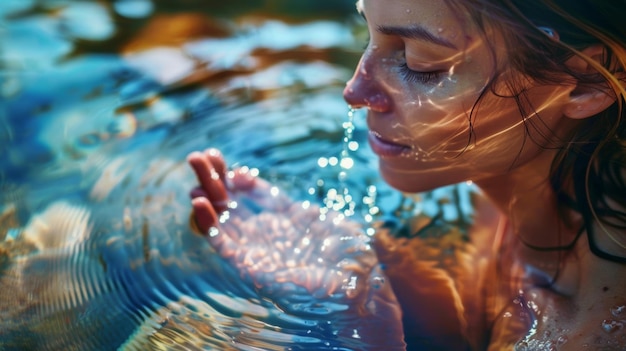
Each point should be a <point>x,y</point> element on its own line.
<point>529,207</point>
<point>525,197</point>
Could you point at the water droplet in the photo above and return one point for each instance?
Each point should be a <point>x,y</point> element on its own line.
<point>213,232</point>
<point>322,162</point>
<point>618,311</point>
<point>408,10</point>
<point>439,30</point>
<point>355,334</point>
<point>378,282</point>
<point>561,340</point>
<point>611,326</point>
<point>521,346</point>
<point>347,163</point>
<point>353,145</point>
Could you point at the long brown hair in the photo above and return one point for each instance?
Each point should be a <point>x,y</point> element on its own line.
<point>589,171</point>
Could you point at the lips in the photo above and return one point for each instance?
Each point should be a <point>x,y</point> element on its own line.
<point>386,148</point>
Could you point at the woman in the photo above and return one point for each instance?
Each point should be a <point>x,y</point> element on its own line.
<point>524,98</point>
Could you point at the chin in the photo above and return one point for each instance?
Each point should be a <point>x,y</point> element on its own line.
<point>405,183</point>
<point>408,181</point>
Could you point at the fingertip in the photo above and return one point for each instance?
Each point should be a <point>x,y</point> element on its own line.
<point>213,152</point>
<point>204,214</point>
<point>217,160</point>
<point>243,179</point>
<point>200,201</point>
<point>193,156</point>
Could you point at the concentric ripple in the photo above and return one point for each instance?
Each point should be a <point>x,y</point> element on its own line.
<point>96,252</point>
<point>128,273</point>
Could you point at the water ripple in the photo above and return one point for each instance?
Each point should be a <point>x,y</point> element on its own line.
<point>95,248</point>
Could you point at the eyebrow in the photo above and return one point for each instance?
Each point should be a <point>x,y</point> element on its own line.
<point>416,32</point>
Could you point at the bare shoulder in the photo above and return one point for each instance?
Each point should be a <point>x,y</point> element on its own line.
<point>591,315</point>
<point>595,315</point>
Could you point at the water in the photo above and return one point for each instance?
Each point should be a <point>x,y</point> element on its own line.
<point>100,104</point>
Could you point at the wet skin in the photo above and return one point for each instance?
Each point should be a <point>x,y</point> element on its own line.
<point>567,314</point>
<point>420,97</point>
<point>419,78</point>
<point>420,94</point>
<point>295,258</point>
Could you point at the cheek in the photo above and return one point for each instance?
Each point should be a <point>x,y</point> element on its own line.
<point>440,113</point>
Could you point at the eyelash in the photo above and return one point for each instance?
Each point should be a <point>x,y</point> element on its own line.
<point>412,76</point>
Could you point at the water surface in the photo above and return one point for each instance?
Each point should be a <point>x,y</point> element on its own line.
<point>101,102</point>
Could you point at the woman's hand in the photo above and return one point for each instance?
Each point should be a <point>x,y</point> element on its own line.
<point>210,198</point>
<point>272,239</point>
<point>310,263</point>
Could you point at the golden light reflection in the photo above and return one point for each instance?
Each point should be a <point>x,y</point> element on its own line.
<point>132,215</point>
<point>175,30</point>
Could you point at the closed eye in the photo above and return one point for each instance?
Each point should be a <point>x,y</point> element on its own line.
<point>426,77</point>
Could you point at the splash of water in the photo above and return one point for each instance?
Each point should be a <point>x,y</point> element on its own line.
<point>344,198</point>
<point>346,163</point>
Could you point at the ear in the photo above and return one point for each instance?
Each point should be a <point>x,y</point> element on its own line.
<point>589,99</point>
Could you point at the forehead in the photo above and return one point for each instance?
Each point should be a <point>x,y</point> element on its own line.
<point>436,16</point>
<point>405,10</point>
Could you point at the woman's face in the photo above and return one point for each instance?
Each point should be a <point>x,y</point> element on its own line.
<point>420,76</point>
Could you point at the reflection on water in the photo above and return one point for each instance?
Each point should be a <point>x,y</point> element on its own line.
<point>102,101</point>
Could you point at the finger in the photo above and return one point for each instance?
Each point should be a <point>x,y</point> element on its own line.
<point>209,179</point>
<point>204,170</point>
<point>207,222</point>
<point>217,160</point>
<point>243,179</point>
<point>204,214</point>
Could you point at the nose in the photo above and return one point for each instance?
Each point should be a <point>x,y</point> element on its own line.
<point>364,90</point>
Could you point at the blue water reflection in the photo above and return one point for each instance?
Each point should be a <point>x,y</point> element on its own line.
<point>96,252</point>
